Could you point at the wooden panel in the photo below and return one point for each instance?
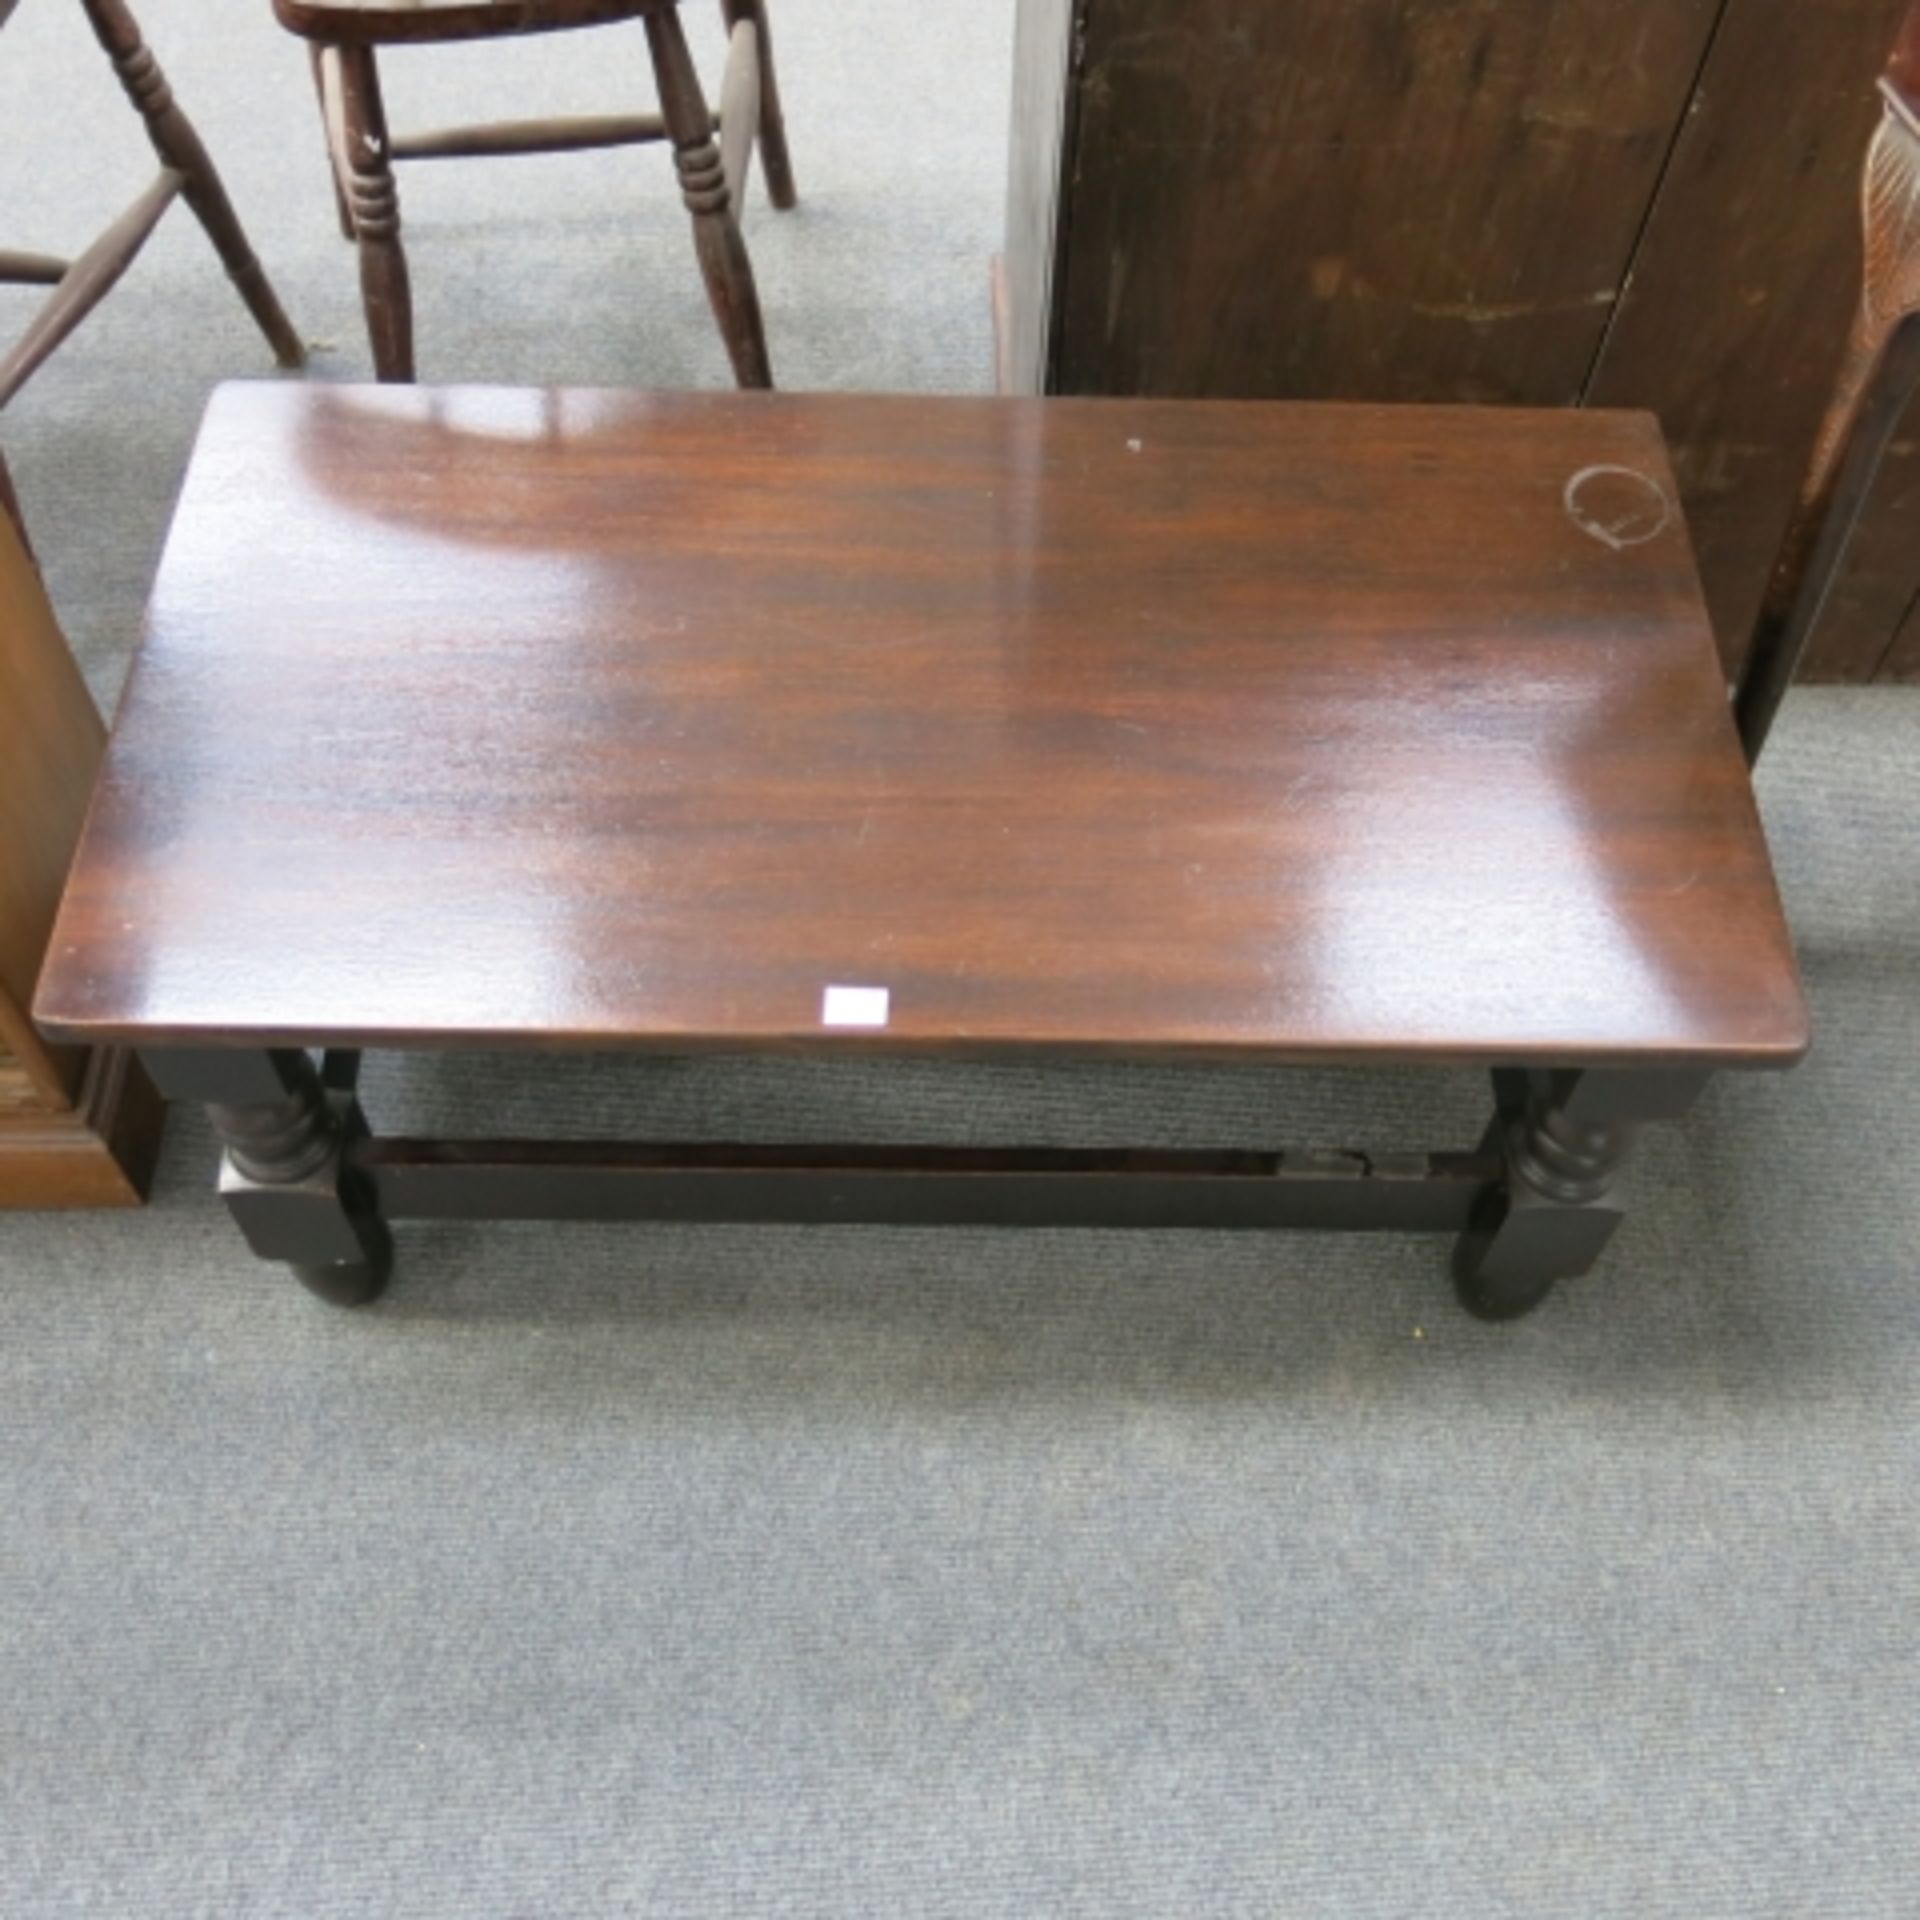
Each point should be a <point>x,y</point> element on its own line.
<point>98,1153</point>
<point>50,738</point>
<point>1733,326</point>
<point>1379,199</point>
<point>18,1087</point>
<point>1113,727</point>
<point>1441,199</point>
<point>1044,32</point>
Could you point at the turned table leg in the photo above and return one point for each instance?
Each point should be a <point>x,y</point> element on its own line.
<point>180,149</point>
<point>1563,1137</point>
<point>703,185</point>
<point>285,1177</point>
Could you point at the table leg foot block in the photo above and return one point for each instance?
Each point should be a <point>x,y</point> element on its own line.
<point>288,1176</point>
<point>353,1284</point>
<point>323,1225</point>
<point>1562,1139</point>
<point>1509,1261</point>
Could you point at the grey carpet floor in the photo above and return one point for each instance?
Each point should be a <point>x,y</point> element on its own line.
<point>868,1573</point>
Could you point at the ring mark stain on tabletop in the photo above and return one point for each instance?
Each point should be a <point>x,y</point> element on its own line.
<point>1619,506</point>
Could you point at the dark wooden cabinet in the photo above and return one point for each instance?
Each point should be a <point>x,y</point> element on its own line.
<point>1642,203</point>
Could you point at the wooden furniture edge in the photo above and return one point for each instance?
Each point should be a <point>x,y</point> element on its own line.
<point>1778,1055</point>
<point>998,301</point>
<point>101,1153</point>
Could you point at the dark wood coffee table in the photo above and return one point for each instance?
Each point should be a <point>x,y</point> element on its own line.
<point>469,718</point>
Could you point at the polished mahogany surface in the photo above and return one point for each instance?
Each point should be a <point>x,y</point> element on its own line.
<point>590,719</point>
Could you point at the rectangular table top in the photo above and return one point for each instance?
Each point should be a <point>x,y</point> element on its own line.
<point>593,719</point>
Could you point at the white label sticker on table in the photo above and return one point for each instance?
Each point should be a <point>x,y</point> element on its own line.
<point>854,1007</point>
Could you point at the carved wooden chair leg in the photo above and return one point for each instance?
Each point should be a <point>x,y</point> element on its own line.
<point>774,159</point>
<point>1878,378</point>
<point>723,254</point>
<point>181,151</point>
<point>329,128</point>
<point>357,132</point>
<point>285,1178</point>
<point>1563,1137</point>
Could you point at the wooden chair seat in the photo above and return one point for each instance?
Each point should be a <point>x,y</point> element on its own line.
<point>395,22</point>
